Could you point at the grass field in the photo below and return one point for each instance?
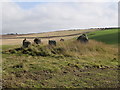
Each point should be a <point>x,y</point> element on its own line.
<point>70,64</point>
<point>106,36</point>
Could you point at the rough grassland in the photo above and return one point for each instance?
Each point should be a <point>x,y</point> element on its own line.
<point>70,64</point>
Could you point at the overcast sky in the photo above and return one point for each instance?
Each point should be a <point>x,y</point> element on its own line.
<point>33,17</point>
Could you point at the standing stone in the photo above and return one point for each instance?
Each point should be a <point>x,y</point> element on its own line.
<point>37,41</point>
<point>26,43</point>
<point>83,38</point>
<point>61,39</point>
<point>52,42</point>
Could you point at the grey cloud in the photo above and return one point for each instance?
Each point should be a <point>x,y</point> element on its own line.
<point>56,16</point>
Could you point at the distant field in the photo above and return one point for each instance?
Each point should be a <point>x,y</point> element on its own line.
<point>106,36</point>
<point>17,39</point>
<point>57,33</point>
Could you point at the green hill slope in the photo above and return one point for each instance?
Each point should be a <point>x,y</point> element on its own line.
<point>109,36</point>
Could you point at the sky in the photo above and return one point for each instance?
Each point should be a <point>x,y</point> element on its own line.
<point>35,17</point>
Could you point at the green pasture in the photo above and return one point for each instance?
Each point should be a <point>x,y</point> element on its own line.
<point>106,36</point>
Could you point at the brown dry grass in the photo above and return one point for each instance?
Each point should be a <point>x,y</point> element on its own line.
<point>92,48</point>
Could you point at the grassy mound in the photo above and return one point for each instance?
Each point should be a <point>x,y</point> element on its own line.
<point>68,48</point>
<point>70,64</point>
